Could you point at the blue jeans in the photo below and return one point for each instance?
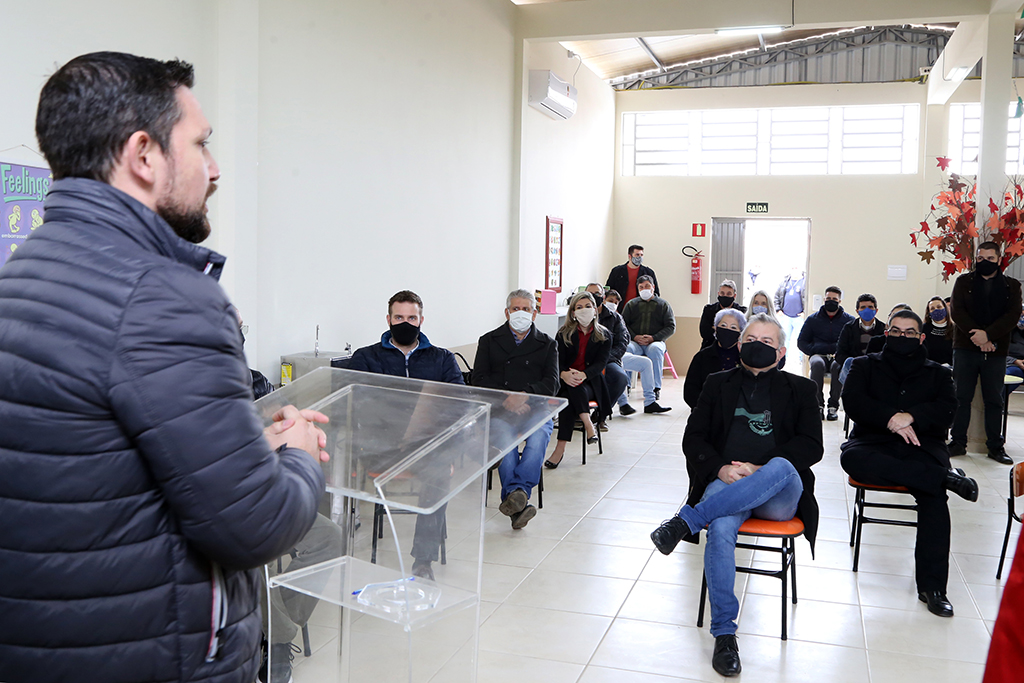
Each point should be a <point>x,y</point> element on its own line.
<point>847,364</point>
<point>644,366</point>
<point>656,352</point>
<point>770,493</point>
<point>522,470</point>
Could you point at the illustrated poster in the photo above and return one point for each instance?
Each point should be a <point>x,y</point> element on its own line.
<point>23,189</point>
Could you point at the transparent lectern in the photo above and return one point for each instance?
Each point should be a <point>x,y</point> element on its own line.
<point>406,478</point>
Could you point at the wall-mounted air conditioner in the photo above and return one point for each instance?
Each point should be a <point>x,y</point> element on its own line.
<point>551,95</point>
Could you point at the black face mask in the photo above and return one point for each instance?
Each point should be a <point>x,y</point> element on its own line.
<point>986,268</point>
<point>598,300</point>
<point>405,334</point>
<point>758,355</point>
<point>727,338</point>
<point>726,301</point>
<point>902,346</point>
<point>831,306</point>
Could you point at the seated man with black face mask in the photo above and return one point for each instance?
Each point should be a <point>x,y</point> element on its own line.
<point>901,404</point>
<point>404,351</point>
<point>749,444</point>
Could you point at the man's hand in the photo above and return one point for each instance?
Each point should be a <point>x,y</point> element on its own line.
<point>516,403</point>
<point>298,428</point>
<point>572,377</point>
<point>899,421</point>
<point>909,435</point>
<point>643,339</point>
<point>979,337</point>
<point>745,468</point>
<point>1019,363</point>
<point>988,347</point>
<point>731,474</point>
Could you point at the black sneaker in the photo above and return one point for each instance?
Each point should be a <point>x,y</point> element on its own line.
<point>281,657</point>
<point>956,449</point>
<point>821,411</point>
<point>833,414</point>
<point>667,536</point>
<point>655,409</point>
<point>962,485</point>
<point>626,409</point>
<point>1000,456</point>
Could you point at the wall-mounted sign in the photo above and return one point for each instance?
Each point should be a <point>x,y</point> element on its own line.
<point>757,207</point>
<point>896,273</point>
<point>699,229</point>
<point>553,261</point>
<point>23,189</point>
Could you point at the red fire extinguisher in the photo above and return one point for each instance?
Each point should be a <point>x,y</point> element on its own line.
<point>696,268</point>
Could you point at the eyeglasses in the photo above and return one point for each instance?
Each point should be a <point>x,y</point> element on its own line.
<point>897,332</point>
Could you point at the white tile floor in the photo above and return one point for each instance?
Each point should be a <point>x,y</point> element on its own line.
<point>581,596</point>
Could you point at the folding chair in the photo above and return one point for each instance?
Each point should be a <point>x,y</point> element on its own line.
<point>860,519</point>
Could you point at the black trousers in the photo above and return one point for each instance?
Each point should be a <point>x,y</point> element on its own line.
<point>616,380</point>
<point>968,367</point>
<point>901,464</point>
<point>579,403</point>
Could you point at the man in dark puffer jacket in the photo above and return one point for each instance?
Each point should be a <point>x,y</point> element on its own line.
<point>138,488</point>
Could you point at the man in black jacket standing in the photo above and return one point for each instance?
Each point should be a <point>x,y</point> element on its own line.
<point>518,357</point>
<point>138,491</point>
<point>749,446</point>
<point>623,277</point>
<point>985,308</point>
<point>818,340</point>
<point>901,404</point>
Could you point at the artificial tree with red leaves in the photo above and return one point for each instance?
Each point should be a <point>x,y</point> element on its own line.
<point>950,226</point>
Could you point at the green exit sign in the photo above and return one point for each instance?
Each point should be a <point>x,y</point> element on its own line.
<point>757,207</point>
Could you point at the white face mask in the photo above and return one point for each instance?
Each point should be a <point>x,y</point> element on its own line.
<point>646,294</point>
<point>520,320</point>
<point>585,316</point>
<point>610,306</point>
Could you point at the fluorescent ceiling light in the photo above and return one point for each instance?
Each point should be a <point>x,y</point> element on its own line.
<point>748,31</point>
<point>959,73</point>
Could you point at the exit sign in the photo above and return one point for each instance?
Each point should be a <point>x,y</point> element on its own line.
<point>757,207</point>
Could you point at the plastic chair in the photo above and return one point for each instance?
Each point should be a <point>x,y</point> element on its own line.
<point>583,430</point>
<point>1016,491</point>
<point>787,532</point>
<point>860,519</point>
<point>668,366</point>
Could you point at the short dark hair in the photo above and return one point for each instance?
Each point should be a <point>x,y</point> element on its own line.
<point>990,245</point>
<point>612,292</point>
<point>909,315</point>
<point>833,288</point>
<point>405,297</point>
<point>865,297</point>
<point>634,247</point>
<point>644,278</point>
<point>94,103</point>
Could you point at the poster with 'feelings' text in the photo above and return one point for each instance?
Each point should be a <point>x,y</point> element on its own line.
<point>23,189</point>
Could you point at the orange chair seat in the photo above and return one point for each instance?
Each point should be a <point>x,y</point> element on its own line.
<point>766,527</point>
<point>877,487</point>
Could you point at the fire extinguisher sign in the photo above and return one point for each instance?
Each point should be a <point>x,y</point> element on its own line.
<point>699,229</point>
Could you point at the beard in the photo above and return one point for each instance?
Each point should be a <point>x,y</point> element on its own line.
<point>190,223</point>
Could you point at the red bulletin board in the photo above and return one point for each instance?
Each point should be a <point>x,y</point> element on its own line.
<point>553,259</point>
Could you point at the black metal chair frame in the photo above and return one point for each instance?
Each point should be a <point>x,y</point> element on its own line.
<point>787,571</point>
<point>1011,517</point>
<point>540,485</point>
<point>860,519</point>
<point>378,530</point>
<point>306,649</point>
<point>583,430</point>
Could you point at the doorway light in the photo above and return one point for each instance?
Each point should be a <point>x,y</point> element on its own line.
<point>748,30</point>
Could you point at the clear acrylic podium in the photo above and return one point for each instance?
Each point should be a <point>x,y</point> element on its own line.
<point>406,479</point>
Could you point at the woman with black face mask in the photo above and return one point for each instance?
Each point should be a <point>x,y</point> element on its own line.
<point>724,354</point>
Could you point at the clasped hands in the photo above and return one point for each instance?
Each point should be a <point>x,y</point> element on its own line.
<point>298,429</point>
<point>644,339</point>
<point>516,403</point>
<point>736,470</point>
<point>900,424</point>
<point>981,340</point>
<point>573,377</point>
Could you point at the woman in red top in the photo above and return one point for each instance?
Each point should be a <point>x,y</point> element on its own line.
<point>583,349</point>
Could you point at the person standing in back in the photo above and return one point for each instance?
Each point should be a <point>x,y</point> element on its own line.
<point>819,339</point>
<point>623,277</point>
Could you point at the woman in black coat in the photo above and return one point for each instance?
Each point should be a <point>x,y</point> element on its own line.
<point>939,339</point>
<point>722,355</point>
<point>583,349</point>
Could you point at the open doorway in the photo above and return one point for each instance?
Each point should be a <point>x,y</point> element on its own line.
<point>765,254</point>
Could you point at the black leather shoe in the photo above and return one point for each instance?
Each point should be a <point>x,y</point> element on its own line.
<point>626,409</point>
<point>655,409</point>
<point>962,485</point>
<point>833,414</point>
<point>657,394</point>
<point>937,603</point>
<point>667,536</point>
<point>1000,456</point>
<point>726,659</point>
<point>956,449</point>
<point>821,411</point>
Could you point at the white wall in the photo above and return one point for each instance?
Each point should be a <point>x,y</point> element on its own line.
<point>566,171</point>
<point>385,156</point>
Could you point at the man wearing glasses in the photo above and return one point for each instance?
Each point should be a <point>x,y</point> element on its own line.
<point>901,404</point>
<point>749,446</point>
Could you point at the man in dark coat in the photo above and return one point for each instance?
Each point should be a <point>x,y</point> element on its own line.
<point>726,299</point>
<point>137,489</point>
<point>404,351</point>
<point>518,357</point>
<point>623,277</point>
<point>749,446</point>
<point>901,404</point>
<point>985,309</point>
<point>819,339</point>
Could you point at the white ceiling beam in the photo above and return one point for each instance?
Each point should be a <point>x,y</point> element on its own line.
<point>650,53</point>
<point>962,52</point>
